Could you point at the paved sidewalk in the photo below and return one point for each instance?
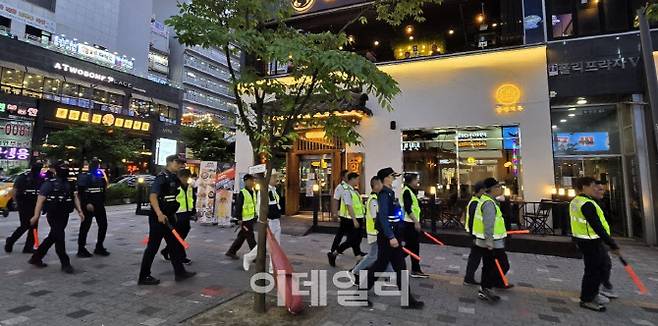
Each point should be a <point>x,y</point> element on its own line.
<point>104,290</point>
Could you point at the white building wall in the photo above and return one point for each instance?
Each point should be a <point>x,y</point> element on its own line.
<point>93,21</point>
<point>460,91</point>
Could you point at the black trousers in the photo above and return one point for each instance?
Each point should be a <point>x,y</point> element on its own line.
<point>246,233</point>
<point>412,242</point>
<point>101,219</point>
<point>385,255</point>
<point>183,228</point>
<point>354,236</point>
<point>607,269</point>
<point>24,215</point>
<point>490,274</point>
<point>57,236</point>
<point>158,231</point>
<point>595,256</point>
<point>474,259</point>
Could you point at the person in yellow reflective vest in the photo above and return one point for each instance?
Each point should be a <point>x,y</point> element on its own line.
<point>351,214</point>
<point>371,232</point>
<point>475,256</point>
<point>411,207</point>
<point>273,221</point>
<point>590,230</point>
<point>186,211</point>
<point>246,213</point>
<point>489,230</point>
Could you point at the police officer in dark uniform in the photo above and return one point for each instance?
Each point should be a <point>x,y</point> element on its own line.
<point>390,227</point>
<point>163,215</point>
<point>60,199</point>
<point>91,189</point>
<point>26,190</point>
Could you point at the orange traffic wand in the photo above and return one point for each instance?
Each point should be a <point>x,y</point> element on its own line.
<point>433,238</point>
<point>35,233</point>
<point>519,232</point>
<point>179,238</point>
<point>145,241</point>
<point>408,252</point>
<point>634,277</point>
<point>502,275</point>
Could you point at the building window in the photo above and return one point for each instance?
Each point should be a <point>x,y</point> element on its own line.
<point>12,81</point>
<point>573,18</point>
<point>5,25</point>
<point>37,35</point>
<point>453,159</point>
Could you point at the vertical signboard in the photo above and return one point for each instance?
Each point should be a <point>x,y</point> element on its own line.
<point>205,202</point>
<point>224,193</point>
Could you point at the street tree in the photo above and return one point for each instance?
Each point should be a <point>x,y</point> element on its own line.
<point>109,144</point>
<point>207,142</point>
<point>320,73</point>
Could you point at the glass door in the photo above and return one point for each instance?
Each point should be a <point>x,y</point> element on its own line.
<point>606,169</point>
<point>314,169</point>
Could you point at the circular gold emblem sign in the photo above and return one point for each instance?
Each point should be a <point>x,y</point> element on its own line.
<point>508,94</point>
<point>108,119</point>
<point>302,5</point>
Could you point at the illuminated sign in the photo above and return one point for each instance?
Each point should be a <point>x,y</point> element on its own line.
<point>507,99</point>
<point>472,135</point>
<point>302,5</point>
<point>410,145</point>
<point>89,74</point>
<point>14,153</point>
<point>92,53</point>
<point>107,119</point>
<point>15,109</point>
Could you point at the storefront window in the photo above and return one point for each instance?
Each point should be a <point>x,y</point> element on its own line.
<point>51,85</point>
<point>12,80</point>
<point>454,159</point>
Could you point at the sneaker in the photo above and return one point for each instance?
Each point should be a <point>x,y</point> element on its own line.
<point>418,275</point>
<point>37,262</point>
<point>471,283</point>
<point>83,253</point>
<point>187,261</point>
<point>488,295</point>
<point>165,255</point>
<point>232,256</point>
<point>68,269</point>
<point>245,263</point>
<point>592,306</point>
<point>101,252</point>
<point>601,299</point>
<point>609,293</point>
<point>8,247</point>
<point>149,280</point>
<point>332,259</point>
<point>184,276</point>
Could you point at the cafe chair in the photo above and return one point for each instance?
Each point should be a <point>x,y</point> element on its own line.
<point>535,216</point>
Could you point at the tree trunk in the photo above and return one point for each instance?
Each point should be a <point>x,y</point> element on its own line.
<point>259,298</point>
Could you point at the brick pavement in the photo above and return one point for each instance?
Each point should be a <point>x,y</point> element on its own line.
<point>104,292</point>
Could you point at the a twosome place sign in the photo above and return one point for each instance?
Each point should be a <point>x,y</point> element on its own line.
<point>90,74</point>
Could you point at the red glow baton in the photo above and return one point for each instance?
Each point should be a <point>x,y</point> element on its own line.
<point>433,238</point>
<point>180,239</point>
<point>519,232</point>
<point>145,241</point>
<point>408,252</point>
<point>35,233</point>
<point>634,277</point>
<point>502,275</point>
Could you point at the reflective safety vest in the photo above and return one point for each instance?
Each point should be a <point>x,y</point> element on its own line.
<point>474,199</point>
<point>185,199</point>
<point>415,207</point>
<point>500,232</point>
<point>579,227</point>
<point>357,204</point>
<point>248,205</point>
<point>370,220</point>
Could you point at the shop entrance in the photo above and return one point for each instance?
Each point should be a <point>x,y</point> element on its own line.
<point>315,170</point>
<point>606,169</point>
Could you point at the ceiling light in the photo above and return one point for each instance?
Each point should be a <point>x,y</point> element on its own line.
<point>409,29</point>
<point>411,38</point>
<point>479,18</point>
<point>376,43</point>
<point>451,31</point>
<point>581,101</point>
<point>572,115</point>
<point>563,120</point>
<point>572,109</point>
<point>554,127</point>
<point>494,25</point>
